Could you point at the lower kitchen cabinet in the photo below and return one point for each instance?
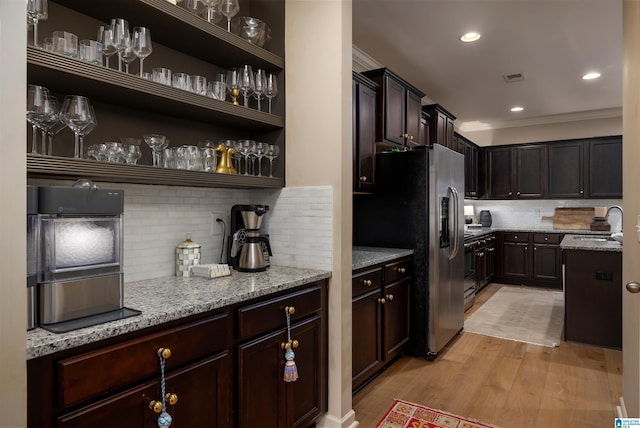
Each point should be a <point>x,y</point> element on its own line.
<point>226,369</point>
<point>593,297</point>
<point>530,258</point>
<point>484,255</point>
<point>380,318</point>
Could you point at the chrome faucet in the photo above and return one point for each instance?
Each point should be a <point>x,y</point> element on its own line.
<point>619,208</point>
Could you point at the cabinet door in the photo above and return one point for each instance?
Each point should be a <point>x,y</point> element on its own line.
<point>490,262</point>
<point>530,171</point>
<point>605,168</point>
<point>413,117</point>
<point>566,170</point>
<point>366,134</point>
<point>448,134</point>
<point>394,111</point>
<point>470,171</point>
<point>396,318</point>
<point>499,173</point>
<point>366,324</point>
<point>265,399</point>
<point>424,131</point>
<point>203,391</point>
<point>516,260</point>
<point>547,263</point>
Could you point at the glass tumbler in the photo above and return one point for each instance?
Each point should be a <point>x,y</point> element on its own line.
<point>199,85</point>
<point>217,90</point>
<point>90,51</point>
<point>162,75</point>
<point>181,81</point>
<point>65,43</point>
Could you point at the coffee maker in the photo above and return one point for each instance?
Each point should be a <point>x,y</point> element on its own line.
<point>249,251</point>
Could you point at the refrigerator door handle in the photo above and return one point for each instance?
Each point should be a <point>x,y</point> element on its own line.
<point>456,233</point>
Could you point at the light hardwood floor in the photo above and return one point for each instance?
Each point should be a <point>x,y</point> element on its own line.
<point>502,382</point>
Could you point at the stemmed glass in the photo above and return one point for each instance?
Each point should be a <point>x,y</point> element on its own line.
<point>271,154</point>
<point>233,84</point>
<point>229,8</point>
<point>245,147</point>
<point>76,113</point>
<point>105,36</point>
<point>86,130</point>
<point>260,86</point>
<point>128,56</point>
<point>211,10</point>
<point>50,116</point>
<point>37,10</point>
<point>271,89</point>
<point>157,143</point>
<point>36,99</point>
<point>247,84</point>
<point>121,37</point>
<point>53,131</point>
<point>259,151</point>
<point>141,44</point>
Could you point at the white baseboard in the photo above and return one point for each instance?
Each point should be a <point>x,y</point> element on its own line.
<point>347,421</point>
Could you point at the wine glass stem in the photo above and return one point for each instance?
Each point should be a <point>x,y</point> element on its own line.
<point>246,100</point>
<point>269,105</point>
<point>35,33</point>
<point>246,165</point>
<point>34,141</point>
<point>259,104</point>
<point>126,68</point>
<point>229,24</point>
<point>260,166</point>
<point>81,147</point>
<point>270,167</point>
<point>141,60</point>
<point>76,149</point>
<point>50,150</point>
<point>44,142</point>
<point>119,61</point>
<point>106,61</point>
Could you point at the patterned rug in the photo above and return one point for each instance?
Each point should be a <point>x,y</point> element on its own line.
<point>403,414</point>
<point>518,313</point>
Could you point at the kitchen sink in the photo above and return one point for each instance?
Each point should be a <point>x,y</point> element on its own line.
<point>595,238</point>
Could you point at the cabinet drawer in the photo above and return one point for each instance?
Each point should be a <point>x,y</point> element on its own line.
<point>93,373</point>
<point>366,281</point>
<point>516,237</point>
<point>547,238</point>
<point>396,271</point>
<point>269,315</point>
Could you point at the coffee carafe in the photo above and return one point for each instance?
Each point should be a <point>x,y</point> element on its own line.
<point>246,252</point>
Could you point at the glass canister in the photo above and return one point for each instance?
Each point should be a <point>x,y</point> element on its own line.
<point>187,255</point>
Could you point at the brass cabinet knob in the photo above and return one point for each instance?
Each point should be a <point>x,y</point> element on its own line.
<point>367,282</point>
<point>389,297</point>
<point>171,398</point>
<point>292,310</point>
<point>401,270</point>
<point>363,178</point>
<point>165,353</point>
<point>633,287</point>
<point>156,406</point>
<point>382,301</point>
<point>286,345</point>
<point>295,343</point>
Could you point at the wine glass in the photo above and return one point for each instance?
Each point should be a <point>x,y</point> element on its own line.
<point>132,153</point>
<point>211,12</point>
<point>128,56</point>
<point>49,117</point>
<point>157,143</point>
<point>259,151</point>
<point>229,8</point>
<point>271,154</point>
<point>233,84</point>
<point>260,85</point>
<point>141,44</point>
<point>76,113</point>
<point>271,88</point>
<point>121,37</point>
<point>86,130</point>
<point>247,84</point>
<point>245,147</point>
<point>105,36</point>
<point>36,99</point>
<point>53,131</point>
<point>37,10</point>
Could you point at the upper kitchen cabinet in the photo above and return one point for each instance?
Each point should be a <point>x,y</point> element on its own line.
<point>471,173</point>
<point>441,126</point>
<point>589,168</point>
<point>398,109</point>
<point>364,133</point>
<point>127,105</point>
<point>516,172</point>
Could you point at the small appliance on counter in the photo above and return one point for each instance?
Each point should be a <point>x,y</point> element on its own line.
<point>248,250</point>
<point>33,234</point>
<point>80,253</point>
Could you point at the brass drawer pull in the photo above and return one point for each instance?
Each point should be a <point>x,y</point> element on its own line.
<point>367,282</point>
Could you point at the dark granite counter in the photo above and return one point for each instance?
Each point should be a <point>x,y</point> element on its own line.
<point>363,257</point>
<point>171,298</point>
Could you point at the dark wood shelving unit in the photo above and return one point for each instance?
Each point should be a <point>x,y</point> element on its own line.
<point>68,168</point>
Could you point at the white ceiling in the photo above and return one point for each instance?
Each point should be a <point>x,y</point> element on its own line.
<point>553,42</point>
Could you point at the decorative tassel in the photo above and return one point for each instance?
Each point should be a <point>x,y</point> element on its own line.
<point>290,369</point>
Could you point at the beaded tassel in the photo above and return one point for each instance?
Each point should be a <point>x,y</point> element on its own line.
<point>165,419</point>
<point>290,369</point>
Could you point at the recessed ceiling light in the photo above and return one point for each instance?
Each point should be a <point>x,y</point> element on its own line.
<point>471,36</point>
<point>517,108</point>
<point>591,76</point>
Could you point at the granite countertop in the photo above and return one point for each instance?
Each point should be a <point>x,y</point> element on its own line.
<point>363,257</point>
<point>487,230</point>
<point>171,298</point>
<point>592,243</point>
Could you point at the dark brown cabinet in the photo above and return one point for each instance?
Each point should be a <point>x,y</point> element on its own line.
<point>364,133</point>
<point>471,168</point>
<point>398,111</point>
<point>484,254</point>
<point>530,258</point>
<point>441,127</point>
<point>593,297</point>
<point>605,167</point>
<point>517,172</point>
<point>380,318</point>
<point>566,166</point>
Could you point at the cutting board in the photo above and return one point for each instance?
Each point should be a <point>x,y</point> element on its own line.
<point>572,218</point>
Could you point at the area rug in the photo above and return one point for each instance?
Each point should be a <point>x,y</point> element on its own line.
<point>409,415</point>
<point>521,314</point>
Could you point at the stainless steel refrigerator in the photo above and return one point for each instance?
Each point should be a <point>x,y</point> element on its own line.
<point>418,204</point>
